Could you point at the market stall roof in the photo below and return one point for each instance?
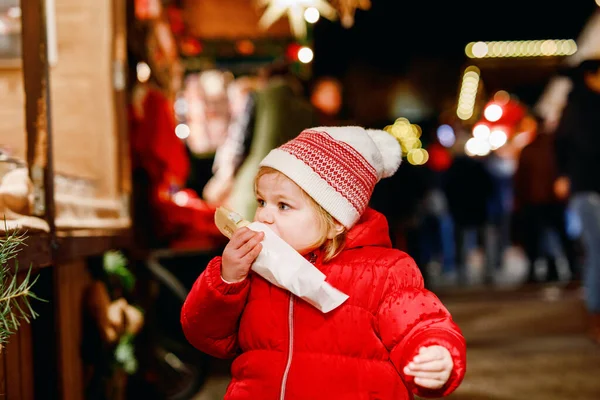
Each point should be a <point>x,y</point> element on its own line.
<point>229,19</point>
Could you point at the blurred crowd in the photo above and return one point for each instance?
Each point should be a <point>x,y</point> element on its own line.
<point>461,216</point>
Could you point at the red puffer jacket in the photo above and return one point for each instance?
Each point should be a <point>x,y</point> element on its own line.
<point>287,349</point>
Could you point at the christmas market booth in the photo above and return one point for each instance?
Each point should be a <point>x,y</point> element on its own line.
<point>64,183</point>
<point>100,174</point>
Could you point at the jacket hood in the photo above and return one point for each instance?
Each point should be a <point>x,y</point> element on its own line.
<point>370,230</point>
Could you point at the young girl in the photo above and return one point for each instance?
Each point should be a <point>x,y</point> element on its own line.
<point>389,340</point>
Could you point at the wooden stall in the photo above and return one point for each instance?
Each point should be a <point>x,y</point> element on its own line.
<point>64,174</point>
<point>239,47</point>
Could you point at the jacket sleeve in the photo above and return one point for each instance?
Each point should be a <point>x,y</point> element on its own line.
<point>211,312</point>
<point>411,317</point>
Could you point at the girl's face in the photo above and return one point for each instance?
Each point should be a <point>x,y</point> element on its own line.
<point>289,212</point>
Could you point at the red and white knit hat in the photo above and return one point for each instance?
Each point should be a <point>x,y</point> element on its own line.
<point>338,166</point>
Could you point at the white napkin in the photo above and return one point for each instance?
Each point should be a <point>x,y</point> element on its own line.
<point>284,267</point>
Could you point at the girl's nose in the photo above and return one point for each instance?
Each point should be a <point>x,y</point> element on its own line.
<point>264,215</point>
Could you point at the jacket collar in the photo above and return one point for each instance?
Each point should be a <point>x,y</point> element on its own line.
<point>370,230</point>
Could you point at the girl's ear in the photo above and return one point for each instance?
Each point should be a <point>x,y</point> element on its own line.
<point>335,230</point>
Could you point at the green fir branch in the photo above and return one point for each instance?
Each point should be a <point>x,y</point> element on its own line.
<point>15,297</point>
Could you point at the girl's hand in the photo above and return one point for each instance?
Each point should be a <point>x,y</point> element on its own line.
<point>431,367</point>
<point>240,253</point>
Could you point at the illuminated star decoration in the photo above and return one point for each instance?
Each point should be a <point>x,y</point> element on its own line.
<point>295,12</point>
<point>347,8</point>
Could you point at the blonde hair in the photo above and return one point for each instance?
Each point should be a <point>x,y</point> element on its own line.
<point>330,247</point>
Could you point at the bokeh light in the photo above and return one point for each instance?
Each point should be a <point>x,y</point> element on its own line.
<point>305,55</point>
<point>311,15</point>
<point>408,135</point>
<point>493,112</point>
<point>446,136</point>
<point>182,131</point>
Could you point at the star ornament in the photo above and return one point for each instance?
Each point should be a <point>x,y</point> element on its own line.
<point>294,9</point>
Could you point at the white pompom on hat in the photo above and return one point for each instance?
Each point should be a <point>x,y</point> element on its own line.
<point>338,166</point>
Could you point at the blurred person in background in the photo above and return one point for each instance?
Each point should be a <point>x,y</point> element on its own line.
<point>500,207</point>
<point>468,186</point>
<point>231,154</point>
<point>280,111</point>
<point>437,240</point>
<point>208,117</point>
<point>400,198</point>
<point>541,211</point>
<point>327,97</point>
<point>578,155</point>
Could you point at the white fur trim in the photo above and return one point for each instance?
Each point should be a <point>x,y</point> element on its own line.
<point>316,187</point>
<point>391,152</point>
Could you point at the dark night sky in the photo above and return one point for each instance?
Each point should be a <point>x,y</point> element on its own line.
<point>422,44</point>
<point>393,31</point>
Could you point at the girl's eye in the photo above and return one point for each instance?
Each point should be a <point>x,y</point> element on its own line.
<point>283,206</point>
<point>261,202</point>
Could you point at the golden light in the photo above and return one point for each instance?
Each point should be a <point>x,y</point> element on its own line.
<point>295,10</point>
<point>143,72</point>
<point>480,49</point>
<point>410,143</point>
<point>417,156</point>
<point>548,47</point>
<point>468,93</point>
<point>408,135</point>
<point>305,55</point>
<point>311,15</point>
<point>521,48</point>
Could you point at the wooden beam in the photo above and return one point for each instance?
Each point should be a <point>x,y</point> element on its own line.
<point>120,69</point>
<point>70,281</point>
<point>38,253</point>
<point>94,242</point>
<point>38,122</point>
<point>12,367</point>
<point>3,375</point>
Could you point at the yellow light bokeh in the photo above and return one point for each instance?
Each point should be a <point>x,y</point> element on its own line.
<point>521,48</point>
<point>468,93</point>
<point>408,136</point>
<point>417,156</point>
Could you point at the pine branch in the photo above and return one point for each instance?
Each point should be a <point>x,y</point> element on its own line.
<point>15,305</point>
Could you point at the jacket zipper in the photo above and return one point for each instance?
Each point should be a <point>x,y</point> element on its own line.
<point>288,364</point>
<point>290,347</point>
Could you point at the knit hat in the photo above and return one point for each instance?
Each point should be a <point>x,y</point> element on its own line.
<point>338,166</point>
